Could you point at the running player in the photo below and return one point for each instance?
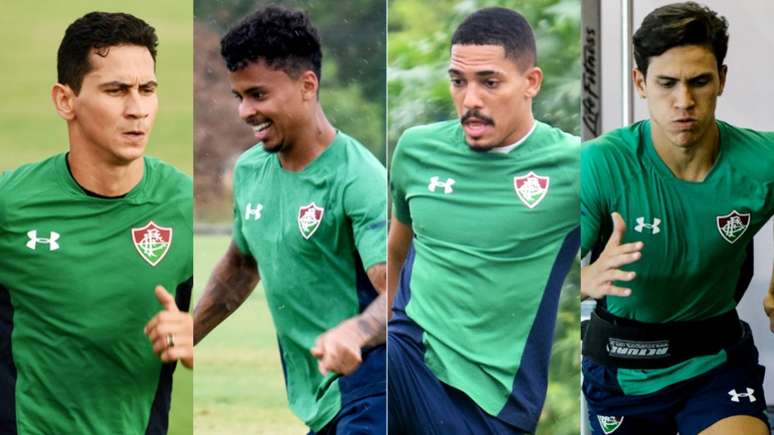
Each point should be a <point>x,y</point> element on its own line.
<point>665,351</point>
<point>85,237</point>
<point>489,203</point>
<point>310,215</point>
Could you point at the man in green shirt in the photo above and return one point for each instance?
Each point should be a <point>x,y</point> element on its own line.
<point>310,221</point>
<point>85,237</point>
<point>484,228</point>
<point>665,351</point>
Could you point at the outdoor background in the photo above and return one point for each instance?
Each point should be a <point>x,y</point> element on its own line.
<point>239,382</point>
<point>418,46</point>
<point>30,129</point>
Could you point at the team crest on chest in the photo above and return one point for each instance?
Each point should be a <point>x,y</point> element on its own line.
<point>531,188</point>
<point>152,242</point>
<point>733,225</point>
<point>309,218</point>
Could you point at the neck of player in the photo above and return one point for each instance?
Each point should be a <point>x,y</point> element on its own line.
<point>309,143</point>
<point>690,162</point>
<point>97,176</point>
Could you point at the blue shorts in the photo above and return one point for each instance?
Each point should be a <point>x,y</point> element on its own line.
<point>363,399</point>
<point>420,404</point>
<point>688,407</point>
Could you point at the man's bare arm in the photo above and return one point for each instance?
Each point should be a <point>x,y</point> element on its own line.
<point>234,278</point>
<point>372,322</point>
<point>398,243</point>
<point>768,302</point>
<point>338,349</point>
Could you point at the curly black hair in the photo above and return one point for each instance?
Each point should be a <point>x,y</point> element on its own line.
<point>284,38</point>
<point>499,26</point>
<point>680,24</point>
<point>99,31</point>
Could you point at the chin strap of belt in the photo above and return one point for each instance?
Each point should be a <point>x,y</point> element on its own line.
<point>624,343</point>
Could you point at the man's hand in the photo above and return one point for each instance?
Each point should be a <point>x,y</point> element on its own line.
<point>171,331</point>
<point>338,349</point>
<point>597,278</point>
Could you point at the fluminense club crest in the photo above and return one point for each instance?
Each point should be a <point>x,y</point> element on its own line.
<point>609,424</point>
<point>733,225</point>
<point>531,188</point>
<point>152,242</point>
<point>309,218</point>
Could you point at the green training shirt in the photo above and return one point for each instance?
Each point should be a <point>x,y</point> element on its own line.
<point>491,233</point>
<point>695,234</point>
<point>314,233</point>
<point>77,279</point>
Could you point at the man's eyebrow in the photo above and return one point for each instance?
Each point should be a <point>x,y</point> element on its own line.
<point>484,73</point>
<point>120,84</point>
<point>696,77</point>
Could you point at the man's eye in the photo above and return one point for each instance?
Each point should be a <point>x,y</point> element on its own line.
<point>491,84</point>
<point>456,82</point>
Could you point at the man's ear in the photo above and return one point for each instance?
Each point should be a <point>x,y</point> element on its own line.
<point>64,100</point>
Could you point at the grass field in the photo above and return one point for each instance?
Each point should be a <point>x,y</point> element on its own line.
<point>30,129</point>
<point>239,383</point>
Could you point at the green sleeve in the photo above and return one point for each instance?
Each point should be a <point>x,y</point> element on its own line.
<point>365,205</point>
<point>398,173</point>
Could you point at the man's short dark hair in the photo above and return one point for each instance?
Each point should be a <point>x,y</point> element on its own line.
<point>283,38</point>
<point>99,31</point>
<point>499,26</point>
<point>676,25</point>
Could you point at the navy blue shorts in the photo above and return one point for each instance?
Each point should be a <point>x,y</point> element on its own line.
<point>363,399</point>
<point>688,407</point>
<point>420,404</point>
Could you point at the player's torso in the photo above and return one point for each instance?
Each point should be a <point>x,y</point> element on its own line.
<point>81,273</point>
<point>695,236</point>
<point>489,213</point>
<point>296,227</point>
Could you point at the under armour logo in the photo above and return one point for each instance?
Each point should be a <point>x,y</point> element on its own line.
<point>447,185</point>
<point>654,229</point>
<point>51,240</point>
<point>255,212</point>
<point>735,396</point>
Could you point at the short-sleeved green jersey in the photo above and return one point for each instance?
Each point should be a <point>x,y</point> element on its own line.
<point>314,233</point>
<point>494,236</point>
<point>695,234</point>
<point>77,279</point>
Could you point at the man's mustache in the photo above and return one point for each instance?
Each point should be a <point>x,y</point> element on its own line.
<point>476,114</point>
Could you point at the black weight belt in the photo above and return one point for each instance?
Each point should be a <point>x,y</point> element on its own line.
<point>624,343</point>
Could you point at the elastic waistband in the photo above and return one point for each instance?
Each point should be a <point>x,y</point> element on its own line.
<point>624,343</point>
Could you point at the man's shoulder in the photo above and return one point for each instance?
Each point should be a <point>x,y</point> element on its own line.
<point>443,132</point>
<point>356,154</point>
<point>754,140</point>
<point>255,155</point>
<point>750,151</point>
<point>621,143</point>
<point>21,177</point>
<point>554,139</point>
<point>169,176</point>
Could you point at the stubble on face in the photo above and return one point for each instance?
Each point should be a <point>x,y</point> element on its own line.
<point>489,94</point>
